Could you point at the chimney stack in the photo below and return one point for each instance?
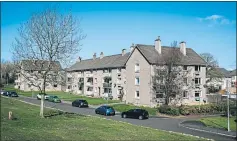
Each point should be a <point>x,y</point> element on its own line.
<point>101,55</point>
<point>94,56</point>
<point>183,48</point>
<point>79,59</point>
<point>158,45</point>
<point>132,47</point>
<point>123,52</point>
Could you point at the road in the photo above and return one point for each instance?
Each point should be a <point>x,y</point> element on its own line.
<point>168,124</point>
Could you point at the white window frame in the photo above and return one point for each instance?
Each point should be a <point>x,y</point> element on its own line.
<point>199,68</point>
<point>137,68</point>
<point>199,80</point>
<point>185,93</point>
<point>197,92</point>
<point>137,81</point>
<point>137,97</point>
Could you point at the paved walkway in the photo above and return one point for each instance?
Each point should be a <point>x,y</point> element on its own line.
<point>198,125</point>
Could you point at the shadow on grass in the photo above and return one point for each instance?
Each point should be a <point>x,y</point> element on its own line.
<point>54,113</point>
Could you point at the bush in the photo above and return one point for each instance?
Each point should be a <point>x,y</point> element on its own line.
<point>169,110</point>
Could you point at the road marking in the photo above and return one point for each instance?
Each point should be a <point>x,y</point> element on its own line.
<point>180,124</point>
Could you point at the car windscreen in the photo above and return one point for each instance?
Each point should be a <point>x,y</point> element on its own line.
<point>55,97</point>
<point>110,108</point>
<point>84,101</point>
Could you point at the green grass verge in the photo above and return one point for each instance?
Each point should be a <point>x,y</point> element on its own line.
<point>65,96</point>
<point>29,126</point>
<point>126,107</point>
<point>219,122</point>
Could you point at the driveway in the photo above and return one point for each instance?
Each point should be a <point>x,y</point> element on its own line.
<point>169,124</point>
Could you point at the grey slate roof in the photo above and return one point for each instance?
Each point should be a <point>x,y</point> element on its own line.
<point>233,73</point>
<point>149,52</point>
<point>223,71</point>
<point>40,65</point>
<point>113,61</point>
<point>152,56</point>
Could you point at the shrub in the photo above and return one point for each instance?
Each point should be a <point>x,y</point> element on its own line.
<point>169,110</point>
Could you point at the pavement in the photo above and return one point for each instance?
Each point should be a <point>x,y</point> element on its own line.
<point>156,122</point>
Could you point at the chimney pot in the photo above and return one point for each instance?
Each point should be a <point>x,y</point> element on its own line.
<point>132,47</point>
<point>183,47</point>
<point>123,52</point>
<point>79,59</point>
<point>158,45</point>
<point>94,56</point>
<point>101,55</point>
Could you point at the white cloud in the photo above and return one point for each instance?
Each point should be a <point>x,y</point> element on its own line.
<point>216,19</point>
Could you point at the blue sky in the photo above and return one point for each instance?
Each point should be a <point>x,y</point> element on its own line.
<point>111,26</point>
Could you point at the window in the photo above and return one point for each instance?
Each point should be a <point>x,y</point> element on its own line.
<point>119,79</point>
<point>197,80</point>
<point>137,67</point>
<point>91,71</point>
<point>197,68</point>
<point>55,85</point>
<point>95,89</point>
<point>137,95</point>
<point>95,80</point>
<point>186,81</point>
<point>69,87</point>
<point>39,71</point>
<point>80,88</point>
<point>185,68</point>
<point>89,88</point>
<point>137,81</point>
<point>31,71</point>
<point>159,95</point>
<point>109,70</point>
<point>197,94</point>
<point>119,69</point>
<point>69,79</point>
<point>185,94</point>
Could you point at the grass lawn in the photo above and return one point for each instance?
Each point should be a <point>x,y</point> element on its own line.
<point>126,107</point>
<point>66,96</point>
<point>29,126</point>
<point>219,122</point>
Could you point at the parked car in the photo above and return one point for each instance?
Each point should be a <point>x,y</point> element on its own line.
<point>55,99</point>
<point>80,103</point>
<point>10,94</point>
<point>105,110</point>
<point>2,91</point>
<point>46,97</point>
<point>13,94</point>
<point>135,113</point>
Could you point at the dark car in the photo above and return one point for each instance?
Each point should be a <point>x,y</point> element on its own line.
<point>80,103</point>
<point>10,94</point>
<point>13,94</point>
<point>135,113</point>
<point>105,110</point>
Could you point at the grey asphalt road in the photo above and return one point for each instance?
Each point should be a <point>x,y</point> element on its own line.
<point>169,124</point>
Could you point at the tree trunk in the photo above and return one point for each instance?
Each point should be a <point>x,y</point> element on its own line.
<point>42,100</point>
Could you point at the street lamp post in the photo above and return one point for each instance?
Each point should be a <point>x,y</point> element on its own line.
<point>228,108</point>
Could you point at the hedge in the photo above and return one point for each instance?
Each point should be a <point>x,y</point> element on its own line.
<point>220,108</point>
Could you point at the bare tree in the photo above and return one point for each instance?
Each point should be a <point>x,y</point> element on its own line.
<point>7,71</point>
<point>45,40</point>
<point>169,77</point>
<point>213,74</point>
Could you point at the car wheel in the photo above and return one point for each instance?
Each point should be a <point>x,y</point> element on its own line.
<point>124,116</point>
<point>140,117</point>
<point>79,106</point>
<point>96,112</point>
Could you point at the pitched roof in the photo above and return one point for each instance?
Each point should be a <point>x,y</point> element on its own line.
<point>233,73</point>
<point>40,65</point>
<point>113,61</point>
<point>223,71</point>
<point>153,57</point>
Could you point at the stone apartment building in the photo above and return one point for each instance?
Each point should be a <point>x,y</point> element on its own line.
<point>101,76</point>
<point>140,69</point>
<point>30,72</point>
